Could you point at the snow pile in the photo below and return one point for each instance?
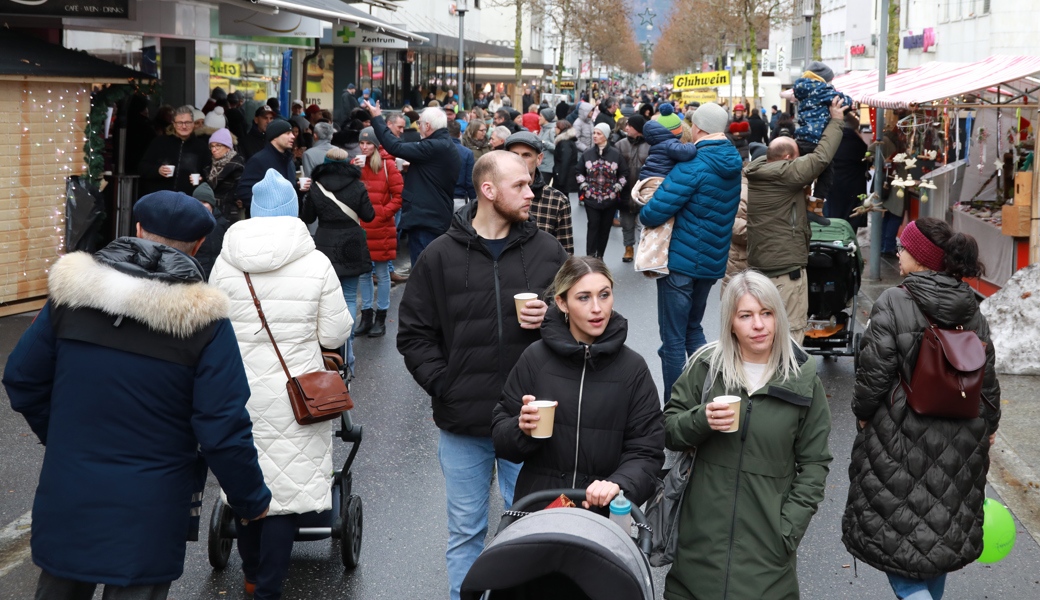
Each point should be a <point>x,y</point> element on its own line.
<point>1014,323</point>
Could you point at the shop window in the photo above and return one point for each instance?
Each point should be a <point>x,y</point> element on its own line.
<point>253,70</point>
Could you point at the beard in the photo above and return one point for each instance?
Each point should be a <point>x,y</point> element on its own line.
<point>512,216</point>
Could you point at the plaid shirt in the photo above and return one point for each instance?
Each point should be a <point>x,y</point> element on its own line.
<point>552,213</point>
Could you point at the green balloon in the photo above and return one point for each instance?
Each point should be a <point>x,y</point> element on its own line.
<point>998,532</point>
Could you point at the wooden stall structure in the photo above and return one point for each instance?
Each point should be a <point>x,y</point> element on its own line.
<point>45,93</point>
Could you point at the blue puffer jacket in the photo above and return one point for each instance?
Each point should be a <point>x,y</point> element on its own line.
<point>665,151</point>
<point>814,107</point>
<point>703,195</point>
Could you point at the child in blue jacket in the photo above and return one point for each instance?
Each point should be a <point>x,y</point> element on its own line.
<point>814,94</point>
<point>666,150</point>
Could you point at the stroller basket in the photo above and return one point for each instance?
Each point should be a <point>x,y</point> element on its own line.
<point>560,553</point>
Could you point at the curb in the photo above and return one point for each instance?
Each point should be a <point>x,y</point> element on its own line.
<point>1017,483</point>
<point>14,543</point>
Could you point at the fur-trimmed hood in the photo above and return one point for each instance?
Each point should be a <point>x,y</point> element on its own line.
<point>165,304</point>
<point>569,134</point>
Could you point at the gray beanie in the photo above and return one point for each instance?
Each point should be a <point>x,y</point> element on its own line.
<point>369,135</point>
<point>711,118</point>
<point>548,114</point>
<point>822,70</point>
<point>604,129</point>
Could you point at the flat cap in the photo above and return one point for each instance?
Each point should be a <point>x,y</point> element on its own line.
<point>174,215</point>
<point>526,138</point>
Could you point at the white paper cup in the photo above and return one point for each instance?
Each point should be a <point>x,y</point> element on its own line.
<point>171,168</point>
<point>196,179</point>
<point>359,160</point>
<point>305,182</point>
<point>734,405</point>
<point>521,302</point>
<point>547,414</point>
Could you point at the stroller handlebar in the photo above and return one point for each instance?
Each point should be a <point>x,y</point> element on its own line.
<point>539,500</point>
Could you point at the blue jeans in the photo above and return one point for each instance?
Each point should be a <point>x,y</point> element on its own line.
<point>265,547</point>
<point>680,308</point>
<point>467,463</point>
<point>382,272</point>
<point>350,285</point>
<point>418,240</point>
<point>889,228</point>
<point>917,589</point>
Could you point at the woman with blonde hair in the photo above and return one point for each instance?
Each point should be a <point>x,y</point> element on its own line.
<point>756,481</point>
<point>608,430</point>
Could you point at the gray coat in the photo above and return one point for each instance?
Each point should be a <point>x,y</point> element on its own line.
<point>315,156</point>
<point>917,482</point>
<point>583,127</point>
<point>548,137</point>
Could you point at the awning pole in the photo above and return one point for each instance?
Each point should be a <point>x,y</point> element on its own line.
<point>879,152</point>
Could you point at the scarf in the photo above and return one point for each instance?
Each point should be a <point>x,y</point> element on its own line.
<point>218,167</point>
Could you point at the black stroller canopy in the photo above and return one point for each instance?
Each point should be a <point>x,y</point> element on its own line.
<point>560,553</point>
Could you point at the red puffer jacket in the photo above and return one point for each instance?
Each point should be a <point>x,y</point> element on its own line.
<point>384,190</point>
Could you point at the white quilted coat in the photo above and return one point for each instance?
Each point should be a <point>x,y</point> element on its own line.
<point>303,302</point>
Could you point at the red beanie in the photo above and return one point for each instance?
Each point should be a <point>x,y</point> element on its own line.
<point>921,248</point>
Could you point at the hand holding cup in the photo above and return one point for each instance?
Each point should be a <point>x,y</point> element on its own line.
<point>166,170</point>
<point>530,311</point>
<point>528,415</point>
<point>720,415</point>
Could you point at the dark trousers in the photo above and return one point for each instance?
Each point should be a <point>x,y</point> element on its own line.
<point>52,587</point>
<point>600,222</point>
<point>418,240</point>
<point>265,547</point>
<point>823,182</point>
<point>889,228</point>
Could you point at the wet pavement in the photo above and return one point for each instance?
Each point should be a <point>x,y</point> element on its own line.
<point>399,480</point>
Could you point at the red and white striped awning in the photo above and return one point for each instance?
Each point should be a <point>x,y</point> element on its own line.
<point>938,80</point>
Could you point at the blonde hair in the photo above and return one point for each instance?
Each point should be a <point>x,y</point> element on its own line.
<point>338,154</point>
<point>573,270</point>
<point>375,161</point>
<point>725,358</point>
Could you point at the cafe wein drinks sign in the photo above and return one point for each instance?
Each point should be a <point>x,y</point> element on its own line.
<point>88,9</point>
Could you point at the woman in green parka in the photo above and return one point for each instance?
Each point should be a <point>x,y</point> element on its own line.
<point>753,491</point>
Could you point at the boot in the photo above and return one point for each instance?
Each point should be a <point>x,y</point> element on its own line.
<point>379,326</point>
<point>365,325</point>
<point>629,254</point>
<point>396,278</point>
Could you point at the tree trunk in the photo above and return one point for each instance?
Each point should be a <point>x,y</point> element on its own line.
<point>559,70</point>
<point>893,37</point>
<point>743,69</point>
<point>817,37</point>
<point>755,66</point>
<point>518,57</point>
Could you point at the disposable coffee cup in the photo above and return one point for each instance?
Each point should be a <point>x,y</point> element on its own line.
<point>359,160</point>
<point>196,179</point>
<point>546,415</point>
<point>734,405</point>
<point>521,302</point>
<point>305,182</point>
<point>171,168</point>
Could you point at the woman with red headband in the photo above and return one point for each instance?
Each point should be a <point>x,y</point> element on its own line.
<point>918,482</point>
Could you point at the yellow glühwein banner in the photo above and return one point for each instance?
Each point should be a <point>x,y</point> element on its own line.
<point>700,80</point>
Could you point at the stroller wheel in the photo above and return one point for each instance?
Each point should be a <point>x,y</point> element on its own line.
<point>219,545</point>
<point>350,540</point>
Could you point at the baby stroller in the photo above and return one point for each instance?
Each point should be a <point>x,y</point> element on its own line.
<point>834,272</point>
<point>563,553</point>
<point>343,523</point>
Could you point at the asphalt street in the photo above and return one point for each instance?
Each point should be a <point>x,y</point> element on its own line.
<point>398,478</point>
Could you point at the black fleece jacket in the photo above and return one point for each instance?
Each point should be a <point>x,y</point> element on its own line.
<point>458,329</point>
<point>607,389</point>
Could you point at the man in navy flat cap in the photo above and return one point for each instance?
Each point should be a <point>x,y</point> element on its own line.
<point>132,378</point>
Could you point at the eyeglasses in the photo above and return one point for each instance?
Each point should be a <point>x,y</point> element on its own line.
<point>183,123</point>
<point>899,248</point>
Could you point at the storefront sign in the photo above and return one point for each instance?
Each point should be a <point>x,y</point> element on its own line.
<point>320,80</point>
<point>242,21</point>
<point>90,9</point>
<point>565,85</point>
<point>360,38</point>
<point>780,56</point>
<point>701,96</point>
<point>925,40</point>
<point>700,80</point>
<point>226,70</point>
<point>859,50</point>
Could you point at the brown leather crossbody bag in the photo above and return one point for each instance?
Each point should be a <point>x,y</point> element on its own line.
<point>947,379</point>
<point>315,397</point>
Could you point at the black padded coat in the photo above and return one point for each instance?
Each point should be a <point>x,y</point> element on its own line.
<point>608,390</point>
<point>457,325</point>
<point>340,237</point>
<point>917,483</point>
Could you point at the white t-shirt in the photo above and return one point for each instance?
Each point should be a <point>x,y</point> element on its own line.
<point>756,374</point>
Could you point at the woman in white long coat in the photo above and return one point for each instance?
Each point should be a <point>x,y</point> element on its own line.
<point>301,298</point>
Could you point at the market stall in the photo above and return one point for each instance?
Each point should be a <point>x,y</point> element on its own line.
<point>970,145</point>
<point>45,103</point>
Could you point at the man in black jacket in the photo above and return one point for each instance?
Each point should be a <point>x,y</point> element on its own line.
<point>277,155</point>
<point>254,141</point>
<point>428,198</point>
<point>170,160</point>
<point>459,336</point>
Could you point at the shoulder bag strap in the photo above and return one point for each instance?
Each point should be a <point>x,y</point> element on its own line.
<point>346,209</point>
<point>263,321</point>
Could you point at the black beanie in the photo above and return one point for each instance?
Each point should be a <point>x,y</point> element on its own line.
<point>637,122</point>
<point>276,128</point>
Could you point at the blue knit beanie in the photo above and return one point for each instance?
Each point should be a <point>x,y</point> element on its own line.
<point>274,196</point>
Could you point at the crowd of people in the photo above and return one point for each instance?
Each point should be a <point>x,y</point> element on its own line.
<point>483,198</point>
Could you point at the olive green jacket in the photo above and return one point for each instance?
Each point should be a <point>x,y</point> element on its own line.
<point>753,492</point>
<point>777,228</point>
